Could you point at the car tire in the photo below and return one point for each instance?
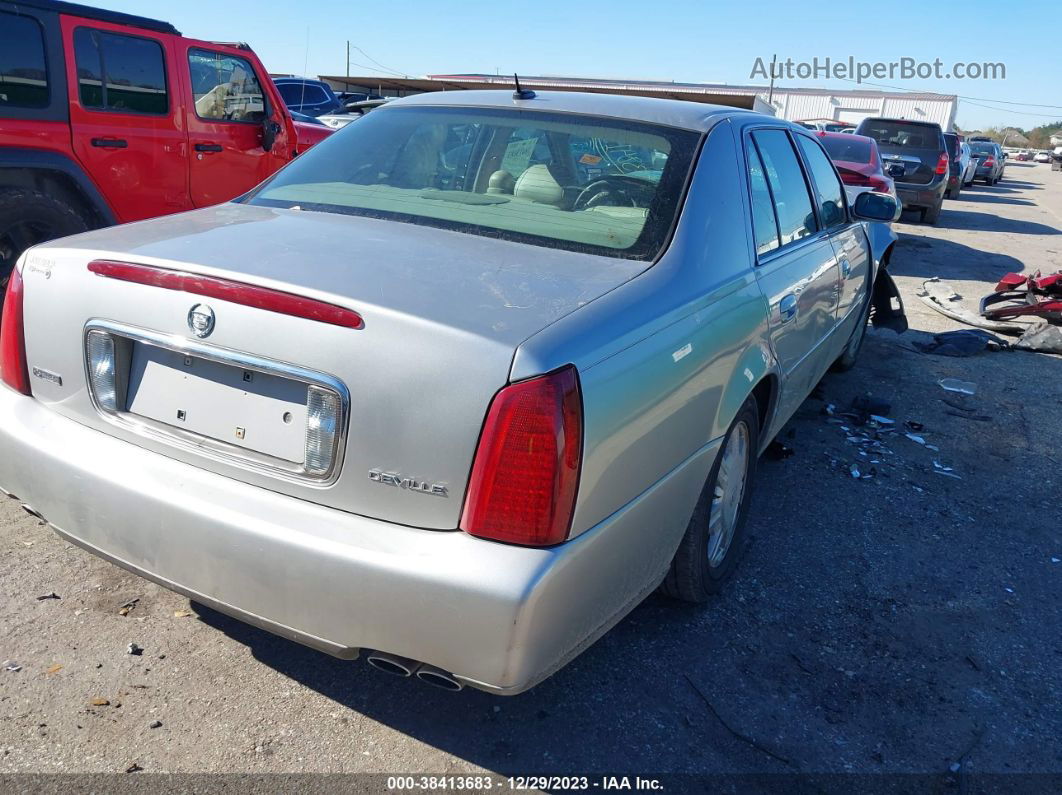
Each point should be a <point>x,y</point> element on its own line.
<point>28,217</point>
<point>710,549</point>
<point>932,214</point>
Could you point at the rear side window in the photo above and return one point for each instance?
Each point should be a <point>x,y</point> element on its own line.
<point>302,93</point>
<point>120,73</point>
<point>952,143</point>
<point>789,189</point>
<point>23,73</point>
<point>828,188</point>
<point>225,87</point>
<point>763,222</point>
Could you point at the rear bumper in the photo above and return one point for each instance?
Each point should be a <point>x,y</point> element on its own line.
<point>928,195</point>
<point>499,617</point>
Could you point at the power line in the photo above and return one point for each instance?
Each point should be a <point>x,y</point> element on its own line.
<point>382,66</point>
<point>960,96</point>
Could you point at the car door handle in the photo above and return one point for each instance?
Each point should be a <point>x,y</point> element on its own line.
<point>110,143</point>
<point>787,307</point>
<point>208,147</point>
<point>846,268</point>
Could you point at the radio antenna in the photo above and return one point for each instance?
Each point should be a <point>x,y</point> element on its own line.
<point>521,93</point>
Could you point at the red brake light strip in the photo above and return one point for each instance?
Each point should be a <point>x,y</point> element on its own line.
<point>227,290</point>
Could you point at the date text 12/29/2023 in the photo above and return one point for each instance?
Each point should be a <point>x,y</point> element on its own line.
<point>522,783</point>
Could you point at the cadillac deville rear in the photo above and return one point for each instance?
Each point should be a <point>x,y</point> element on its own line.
<point>531,391</point>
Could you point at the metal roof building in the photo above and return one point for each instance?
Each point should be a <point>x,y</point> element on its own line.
<point>788,103</point>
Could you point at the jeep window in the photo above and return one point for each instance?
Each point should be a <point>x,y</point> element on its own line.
<point>23,75</point>
<point>225,87</point>
<point>120,73</point>
<point>602,185</point>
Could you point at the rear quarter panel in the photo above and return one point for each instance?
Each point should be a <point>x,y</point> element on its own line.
<point>666,359</point>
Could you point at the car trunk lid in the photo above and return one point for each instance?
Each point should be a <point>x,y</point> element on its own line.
<point>443,315</point>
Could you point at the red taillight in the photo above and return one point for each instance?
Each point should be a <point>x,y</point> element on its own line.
<point>526,471</point>
<point>989,162</point>
<point>942,164</point>
<point>878,184</point>
<point>854,178</point>
<point>13,369</point>
<point>227,290</point>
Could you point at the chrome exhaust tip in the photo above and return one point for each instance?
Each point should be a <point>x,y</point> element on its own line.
<point>391,663</point>
<point>439,678</point>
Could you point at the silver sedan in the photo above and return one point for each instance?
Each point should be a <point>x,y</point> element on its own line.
<point>456,389</point>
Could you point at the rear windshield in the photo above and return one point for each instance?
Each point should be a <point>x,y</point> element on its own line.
<point>901,134</point>
<point>584,183</point>
<point>983,149</point>
<point>852,150</point>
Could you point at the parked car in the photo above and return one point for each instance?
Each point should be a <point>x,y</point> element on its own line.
<point>534,394</point>
<point>961,168</point>
<point>989,161</point>
<point>108,117</point>
<point>919,147</point>
<point>858,163</point>
<point>1023,155</point>
<point>827,125</point>
<point>351,112</point>
<point>307,96</point>
<point>1042,157</point>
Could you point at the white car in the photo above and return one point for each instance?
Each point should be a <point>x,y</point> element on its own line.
<point>1042,157</point>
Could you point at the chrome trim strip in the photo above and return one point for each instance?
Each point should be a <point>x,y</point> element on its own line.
<point>215,448</point>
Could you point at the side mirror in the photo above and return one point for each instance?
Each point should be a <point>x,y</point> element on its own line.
<point>874,206</point>
<point>895,170</point>
<point>270,129</point>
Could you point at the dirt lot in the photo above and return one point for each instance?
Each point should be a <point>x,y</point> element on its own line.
<point>909,622</point>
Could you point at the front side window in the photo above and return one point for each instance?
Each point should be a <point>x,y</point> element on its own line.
<point>583,183</point>
<point>120,73</point>
<point>23,73</point>
<point>225,88</point>
<point>828,188</point>
<point>792,203</point>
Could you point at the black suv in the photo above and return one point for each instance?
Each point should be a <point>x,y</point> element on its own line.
<point>920,149</point>
<point>303,95</point>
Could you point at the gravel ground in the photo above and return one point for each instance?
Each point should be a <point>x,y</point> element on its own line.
<point>908,622</point>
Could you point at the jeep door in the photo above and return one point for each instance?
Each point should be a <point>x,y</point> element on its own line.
<point>796,266</point>
<point>125,116</point>
<point>226,111</point>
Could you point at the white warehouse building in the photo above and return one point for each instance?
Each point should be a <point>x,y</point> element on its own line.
<point>794,104</point>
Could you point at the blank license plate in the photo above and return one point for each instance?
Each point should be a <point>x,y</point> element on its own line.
<point>253,410</point>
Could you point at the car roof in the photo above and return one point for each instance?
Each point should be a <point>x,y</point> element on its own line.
<point>842,135</point>
<point>699,116</point>
<point>102,14</point>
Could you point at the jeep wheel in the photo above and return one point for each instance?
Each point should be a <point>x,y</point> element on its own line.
<point>709,551</point>
<point>28,217</point>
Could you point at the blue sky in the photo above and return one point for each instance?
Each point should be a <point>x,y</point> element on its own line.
<point>679,40</point>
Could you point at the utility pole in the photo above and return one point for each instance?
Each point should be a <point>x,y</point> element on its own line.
<point>770,92</point>
<point>348,59</point>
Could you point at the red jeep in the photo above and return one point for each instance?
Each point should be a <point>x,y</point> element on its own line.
<point>108,117</point>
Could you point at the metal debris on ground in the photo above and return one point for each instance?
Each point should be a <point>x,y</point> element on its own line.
<point>964,342</point>
<point>854,471</point>
<point>955,385</point>
<point>101,702</point>
<point>127,608</point>
<point>52,595</point>
<point>133,768</point>
<point>11,665</point>
<point>915,439</point>
<point>942,297</point>
<point>155,724</point>
<point>1043,338</point>
<point>182,613</point>
<point>135,649</point>
<point>913,425</point>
